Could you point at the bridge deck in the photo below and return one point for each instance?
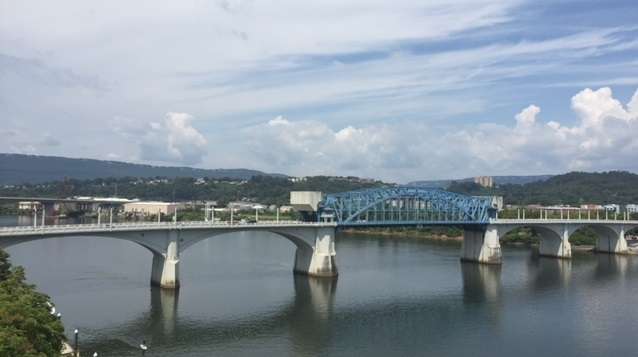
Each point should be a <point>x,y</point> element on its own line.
<point>150,226</point>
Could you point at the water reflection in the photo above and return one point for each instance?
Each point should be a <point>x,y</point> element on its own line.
<point>306,318</point>
<point>614,266</point>
<point>548,272</point>
<point>481,282</point>
<point>163,314</point>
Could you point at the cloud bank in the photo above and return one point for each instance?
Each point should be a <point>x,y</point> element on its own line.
<point>604,137</point>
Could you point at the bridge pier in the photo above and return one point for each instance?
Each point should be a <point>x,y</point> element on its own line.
<point>555,242</point>
<point>317,259</point>
<point>165,269</point>
<point>611,241</point>
<point>481,246</point>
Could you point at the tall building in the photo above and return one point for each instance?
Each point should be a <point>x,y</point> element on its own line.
<point>485,181</point>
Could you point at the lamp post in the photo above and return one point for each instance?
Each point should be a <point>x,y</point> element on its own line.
<point>76,350</point>
<point>143,347</point>
<point>35,216</point>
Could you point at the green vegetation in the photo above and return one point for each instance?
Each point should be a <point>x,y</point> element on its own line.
<point>27,328</point>
<point>574,188</point>
<point>428,232</point>
<point>263,189</point>
<point>525,235</point>
<point>20,169</point>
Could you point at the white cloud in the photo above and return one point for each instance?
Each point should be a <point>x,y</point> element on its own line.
<point>174,141</point>
<point>527,117</point>
<point>606,137</point>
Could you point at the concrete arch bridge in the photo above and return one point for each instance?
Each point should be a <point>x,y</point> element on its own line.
<point>315,241</point>
<point>314,255</point>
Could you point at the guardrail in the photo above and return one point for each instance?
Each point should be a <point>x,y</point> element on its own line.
<point>559,220</point>
<point>152,225</point>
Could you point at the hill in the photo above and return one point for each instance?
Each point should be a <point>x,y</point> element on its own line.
<point>573,188</point>
<point>498,180</point>
<point>21,169</point>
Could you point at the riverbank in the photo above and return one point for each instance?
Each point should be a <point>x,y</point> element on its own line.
<point>522,238</point>
<point>407,233</point>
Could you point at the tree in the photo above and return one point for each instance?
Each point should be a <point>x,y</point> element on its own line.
<point>27,328</point>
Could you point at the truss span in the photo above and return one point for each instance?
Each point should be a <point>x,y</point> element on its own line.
<point>405,206</point>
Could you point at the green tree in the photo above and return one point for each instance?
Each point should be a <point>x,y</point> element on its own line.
<point>27,328</point>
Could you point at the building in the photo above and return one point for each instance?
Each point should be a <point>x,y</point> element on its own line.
<point>286,209</point>
<point>152,207</point>
<point>485,181</point>
<point>495,201</point>
<point>305,201</point>
<point>612,207</point>
<point>28,205</point>
<point>632,208</point>
<point>591,207</point>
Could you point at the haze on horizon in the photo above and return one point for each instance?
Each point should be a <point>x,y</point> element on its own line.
<point>398,91</point>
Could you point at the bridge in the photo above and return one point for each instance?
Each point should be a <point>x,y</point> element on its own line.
<point>380,207</point>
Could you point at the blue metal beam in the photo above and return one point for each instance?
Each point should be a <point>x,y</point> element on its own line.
<point>405,206</point>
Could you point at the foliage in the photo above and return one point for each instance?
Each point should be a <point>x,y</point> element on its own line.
<point>27,328</point>
<point>574,188</point>
<point>19,169</point>
<point>263,189</point>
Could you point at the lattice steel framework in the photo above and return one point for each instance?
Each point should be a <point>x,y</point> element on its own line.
<point>394,206</point>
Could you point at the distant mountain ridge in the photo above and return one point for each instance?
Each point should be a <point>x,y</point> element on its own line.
<point>19,168</point>
<point>498,180</point>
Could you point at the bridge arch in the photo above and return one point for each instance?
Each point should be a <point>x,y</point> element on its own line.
<point>553,240</point>
<point>405,205</point>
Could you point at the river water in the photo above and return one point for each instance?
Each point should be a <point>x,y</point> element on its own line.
<point>393,297</point>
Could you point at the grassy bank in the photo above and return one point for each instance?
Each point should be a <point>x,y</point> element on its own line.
<point>584,237</point>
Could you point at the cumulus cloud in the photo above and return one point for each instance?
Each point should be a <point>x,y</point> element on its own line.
<point>605,137</point>
<point>174,140</point>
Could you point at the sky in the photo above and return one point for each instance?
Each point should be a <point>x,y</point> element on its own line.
<point>392,90</point>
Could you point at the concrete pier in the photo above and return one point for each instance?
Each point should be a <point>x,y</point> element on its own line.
<point>165,268</point>
<point>481,246</point>
<point>611,240</point>
<point>317,260</point>
<point>554,242</point>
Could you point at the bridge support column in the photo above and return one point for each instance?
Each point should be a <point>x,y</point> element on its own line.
<point>611,242</point>
<point>555,244</point>
<point>165,270</point>
<point>318,260</point>
<point>481,246</point>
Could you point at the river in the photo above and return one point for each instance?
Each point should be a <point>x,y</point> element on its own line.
<point>393,297</point>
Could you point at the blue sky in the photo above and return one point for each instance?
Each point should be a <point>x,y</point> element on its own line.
<point>397,90</point>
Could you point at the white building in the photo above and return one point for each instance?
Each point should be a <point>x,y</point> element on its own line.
<point>152,207</point>
<point>28,205</point>
<point>612,207</point>
<point>632,208</point>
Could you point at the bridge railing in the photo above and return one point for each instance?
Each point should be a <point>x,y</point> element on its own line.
<point>142,225</point>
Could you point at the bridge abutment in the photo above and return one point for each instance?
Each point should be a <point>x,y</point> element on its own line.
<point>165,269</point>
<point>481,246</point>
<point>318,259</point>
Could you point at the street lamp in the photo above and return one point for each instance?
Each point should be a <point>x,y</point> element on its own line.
<point>75,348</point>
<point>143,347</point>
<point>94,354</point>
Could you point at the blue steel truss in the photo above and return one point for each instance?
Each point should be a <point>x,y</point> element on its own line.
<point>404,206</point>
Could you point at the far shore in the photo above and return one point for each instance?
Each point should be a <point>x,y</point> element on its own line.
<point>445,238</point>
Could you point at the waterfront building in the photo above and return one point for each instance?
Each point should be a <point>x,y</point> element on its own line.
<point>152,207</point>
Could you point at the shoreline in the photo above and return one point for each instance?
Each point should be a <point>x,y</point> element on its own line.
<point>445,238</point>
